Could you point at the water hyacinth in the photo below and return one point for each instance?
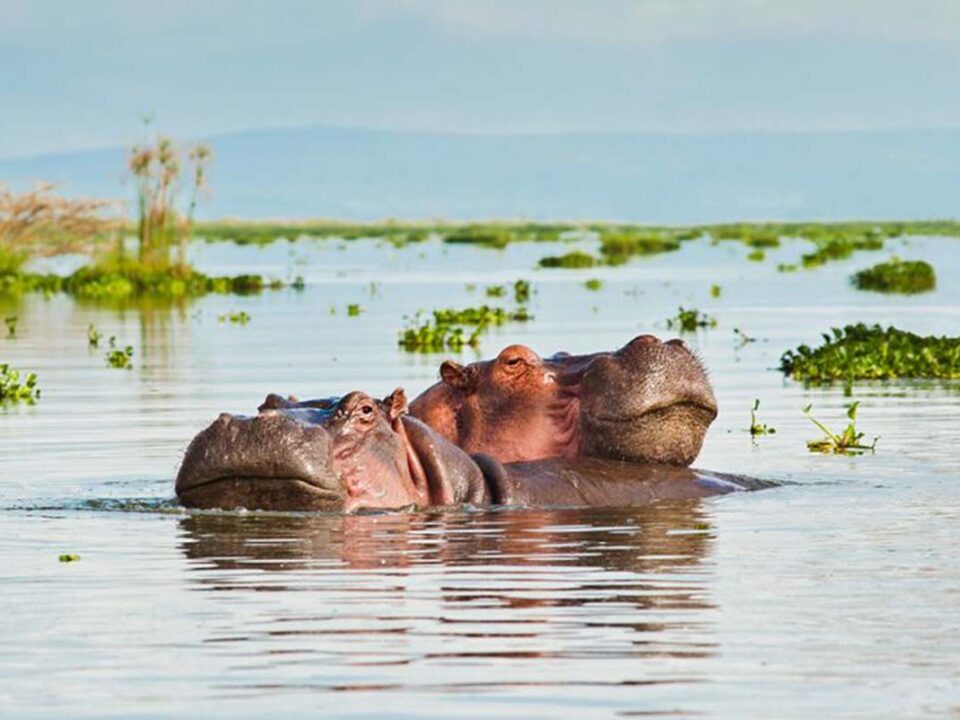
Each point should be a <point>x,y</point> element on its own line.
<point>907,277</point>
<point>859,352</point>
<point>13,390</point>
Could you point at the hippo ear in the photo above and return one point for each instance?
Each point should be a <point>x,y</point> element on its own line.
<point>395,404</point>
<point>457,376</point>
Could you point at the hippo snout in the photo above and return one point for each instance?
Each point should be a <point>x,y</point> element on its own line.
<point>272,460</point>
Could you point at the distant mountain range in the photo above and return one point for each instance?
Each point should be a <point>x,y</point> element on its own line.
<point>644,177</point>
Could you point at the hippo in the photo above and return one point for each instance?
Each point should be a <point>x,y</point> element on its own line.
<point>649,401</point>
<point>357,453</point>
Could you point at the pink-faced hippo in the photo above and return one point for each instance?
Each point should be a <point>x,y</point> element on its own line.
<point>649,401</point>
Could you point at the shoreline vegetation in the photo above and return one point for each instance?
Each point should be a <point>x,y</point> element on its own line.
<point>162,233</point>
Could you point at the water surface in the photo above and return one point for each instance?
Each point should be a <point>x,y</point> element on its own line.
<point>837,594</point>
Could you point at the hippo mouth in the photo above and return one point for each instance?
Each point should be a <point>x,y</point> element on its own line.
<point>273,461</point>
<point>261,493</point>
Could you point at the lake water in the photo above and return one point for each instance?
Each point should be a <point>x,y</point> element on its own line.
<point>835,595</point>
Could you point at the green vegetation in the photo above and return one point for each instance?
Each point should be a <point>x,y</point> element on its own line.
<point>68,557</point>
<point>13,391</point>
<point>117,358</point>
<point>845,443</point>
<point>757,428</point>
<point>11,323</point>
<point>690,320</point>
<point>494,290</point>
<point>354,310</point>
<point>574,259</point>
<point>840,246</point>
<point>897,276</point>
<point>593,284</point>
<point>448,328</point>
<point>94,336</point>
<point>161,226</point>
<point>521,291</point>
<point>858,352</point>
<point>756,255</point>
<point>715,291</point>
<point>618,246</point>
<point>237,318</point>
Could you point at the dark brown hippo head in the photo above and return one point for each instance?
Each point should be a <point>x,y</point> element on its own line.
<point>343,454</point>
<point>649,401</point>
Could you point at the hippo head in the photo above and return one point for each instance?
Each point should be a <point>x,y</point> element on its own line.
<point>648,401</point>
<point>341,454</point>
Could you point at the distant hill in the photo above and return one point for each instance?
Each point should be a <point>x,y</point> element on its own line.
<point>646,177</point>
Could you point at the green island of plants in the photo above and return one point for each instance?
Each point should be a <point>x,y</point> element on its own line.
<point>897,276</point>
<point>448,330</point>
<point>14,390</point>
<point>575,259</point>
<point>859,352</point>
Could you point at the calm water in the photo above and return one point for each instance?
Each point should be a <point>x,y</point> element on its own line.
<point>837,594</point>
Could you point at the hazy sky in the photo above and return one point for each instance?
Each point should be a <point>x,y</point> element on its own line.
<point>79,74</point>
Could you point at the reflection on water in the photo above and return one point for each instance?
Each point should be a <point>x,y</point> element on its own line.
<point>834,596</point>
<point>533,601</point>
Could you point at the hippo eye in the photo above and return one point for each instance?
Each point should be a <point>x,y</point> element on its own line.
<point>514,362</point>
<point>366,410</point>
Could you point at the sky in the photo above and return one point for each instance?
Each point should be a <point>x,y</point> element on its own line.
<point>80,75</point>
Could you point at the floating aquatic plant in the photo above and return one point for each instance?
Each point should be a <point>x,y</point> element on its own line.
<point>448,329</point>
<point>237,318</point>
<point>756,427</point>
<point>68,557</point>
<point>593,284</point>
<point>521,291</point>
<point>494,291</point>
<point>11,323</point>
<point>690,320</point>
<point>14,390</point>
<point>119,358</point>
<point>354,310</point>
<point>897,276</point>
<point>859,352</point>
<point>847,442</point>
<point>715,291</point>
<point>94,336</point>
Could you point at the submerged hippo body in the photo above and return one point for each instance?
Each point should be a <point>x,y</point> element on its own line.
<point>358,453</point>
<point>649,401</point>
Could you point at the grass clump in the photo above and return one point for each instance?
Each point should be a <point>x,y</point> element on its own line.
<point>68,557</point>
<point>354,310</point>
<point>575,259</point>
<point>690,320</point>
<point>14,390</point>
<point>897,276</point>
<point>494,291</point>
<point>847,442</point>
<point>756,427</point>
<point>593,284</point>
<point>859,352</point>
